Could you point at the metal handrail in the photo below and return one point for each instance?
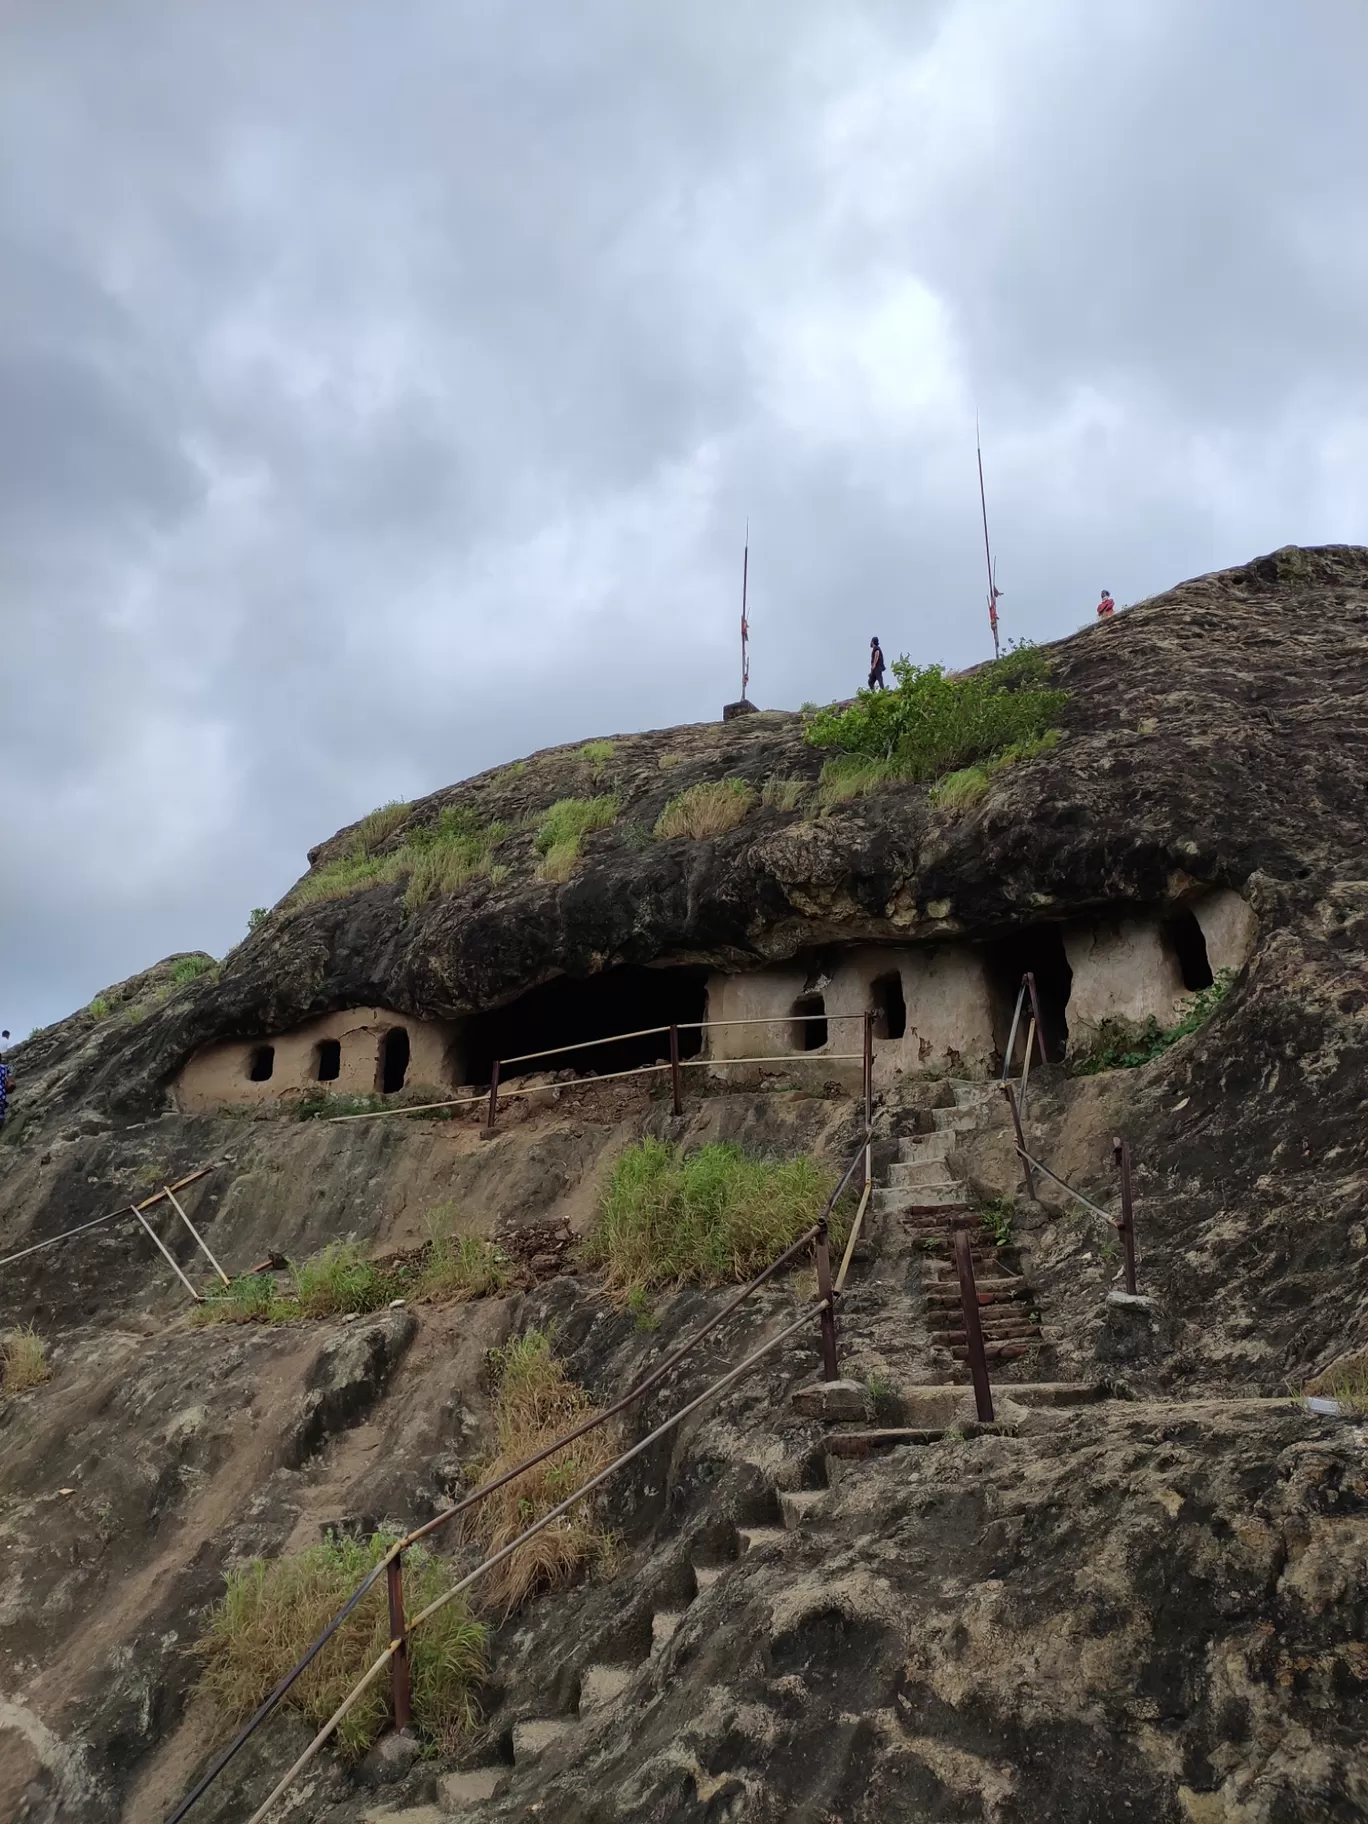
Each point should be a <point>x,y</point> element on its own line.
<point>815,1234</point>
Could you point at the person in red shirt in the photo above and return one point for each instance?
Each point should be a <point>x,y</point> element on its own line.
<point>1106,608</point>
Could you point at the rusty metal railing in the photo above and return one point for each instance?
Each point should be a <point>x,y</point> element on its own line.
<point>390,1566</point>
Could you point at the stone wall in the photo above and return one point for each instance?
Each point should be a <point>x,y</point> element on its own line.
<point>1228,925</point>
<point>223,1073</point>
<point>1122,970</point>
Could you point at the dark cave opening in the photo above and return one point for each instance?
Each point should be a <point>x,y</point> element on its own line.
<point>889,1006</point>
<point>573,1011</point>
<point>1038,950</point>
<point>394,1060</point>
<point>327,1060</point>
<point>261,1064</point>
<point>808,1031</point>
<point>1185,937</point>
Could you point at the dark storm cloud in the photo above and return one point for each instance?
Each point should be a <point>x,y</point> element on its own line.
<point>383,392</point>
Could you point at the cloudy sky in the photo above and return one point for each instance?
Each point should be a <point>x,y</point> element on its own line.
<point>384,388</point>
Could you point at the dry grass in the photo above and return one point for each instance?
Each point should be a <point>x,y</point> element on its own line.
<point>710,809</point>
<point>781,794</point>
<point>535,1403</point>
<point>380,825</point>
<point>666,761</point>
<point>710,1217</point>
<point>272,1611</point>
<point>23,1360</point>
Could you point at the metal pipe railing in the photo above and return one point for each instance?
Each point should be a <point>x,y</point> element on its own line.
<point>630,1398</point>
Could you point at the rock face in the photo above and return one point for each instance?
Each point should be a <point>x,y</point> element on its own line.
<point>1149,1606</point>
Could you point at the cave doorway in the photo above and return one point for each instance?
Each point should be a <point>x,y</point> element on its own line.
<point>1040,950</point>
<point>394,1060</point>
<point>889,1006</point>
<point>582,1012</point>
<point>327,1060</point>
<point>1186,940</point>
<point>261,1064</point>
<point>808,1031</point>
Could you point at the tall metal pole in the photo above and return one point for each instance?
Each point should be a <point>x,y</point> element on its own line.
<point>821,1249</point>
<point>973,1328</point>
<point>987,549</point>
<point>745,624</point>
<point>1121,1154</point>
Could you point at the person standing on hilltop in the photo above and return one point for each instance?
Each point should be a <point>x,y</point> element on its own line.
<point>1106,608</point>
<point>6,1078</point>
<point>876,665</point>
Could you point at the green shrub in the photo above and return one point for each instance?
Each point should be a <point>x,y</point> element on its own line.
<point>1124,1044</point>
<point>434,858</point>
<point>101,1007</point>
<point>257,916</point>
<point>997,1219</point>
<point>190,968</point>
<point>272,1611</point>
<point>710,809</point>
<point>562,828</point>
<point>708,1217</point>
<point>251,1298</point>
<point>932,724</point>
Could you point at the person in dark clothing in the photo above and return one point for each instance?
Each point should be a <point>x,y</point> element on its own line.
<point>6,1079</point>
<point>876,665</point>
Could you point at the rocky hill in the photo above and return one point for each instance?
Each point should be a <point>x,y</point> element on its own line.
<point>1148,1605</point>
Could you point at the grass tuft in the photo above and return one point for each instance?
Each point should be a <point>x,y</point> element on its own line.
<point>339,1279</point>
<point>781,794</point>
<point>710,1217</point>
<point>962,790</point>
<point>460,1266</point>
<point>562,828</point>
<point>272,1611</point>
<point>101,1007</point>
<point>849,776</point>
<point>597,754</point>
<point>378,826</point>
<point>190,968</point>
<point>434,858</point>
<point>535,1402</point>
<point>710,809</point>
<point>1124,1044</point>
<point>23,1360</point>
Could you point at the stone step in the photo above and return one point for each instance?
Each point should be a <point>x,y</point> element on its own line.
<point>798,1504</point>
<point>995,1352</point>
<point>664,1624</point>
<point>943,1221</point>
<point>601,1684</point>
<point>992,1333</point>
<point>535,1734</point>
<point>754,1538</point>
<point>972,1094</point>
<point>944,1295</point>
<point>920,1173</point>
<point>955,1120</point>
<point>921,1147</point>
<point>455,1791</point>
<point>405,1814</point>
<point>895,1200</point>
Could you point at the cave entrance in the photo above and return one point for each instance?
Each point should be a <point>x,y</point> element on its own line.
<point>1186,940</point>
<point>570,1011</point>
<point>889,1006</point>
<point>1039,949</point>
<point>394,1060</point>
<point>327,1060</point>
<point>261,1064</point>
<point>808,1031</point>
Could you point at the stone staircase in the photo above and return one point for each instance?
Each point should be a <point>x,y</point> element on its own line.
<point>603,1685</point>
<point>930,1203</point>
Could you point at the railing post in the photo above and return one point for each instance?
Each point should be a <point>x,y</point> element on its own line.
<point>493,1095</point>
<point>1010,1094</point>
<point>1121,1154</point>
<point>973,1328</point>
<point>868,1088</point>
<point>170,1258</point>
<point>675,1083</point>
<point>399,1663</point>
<point>1035,1009</point>
<point>820,1247</point>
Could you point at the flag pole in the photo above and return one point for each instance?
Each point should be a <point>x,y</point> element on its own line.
<point>993,590</point>
<point>745,625</point>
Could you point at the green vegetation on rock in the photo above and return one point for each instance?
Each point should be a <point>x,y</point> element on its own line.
<point>273,1610</point>
<point>1125,1044</point>
<point>669,1218</point>
<point>709,809</point>
<point>562,828</point>
<point>931,724</point>
<point>23,1360</point>
<point>434,858</point>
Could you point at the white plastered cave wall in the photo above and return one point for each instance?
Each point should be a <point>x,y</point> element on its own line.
<point>221,1073</point>
<point>949,1011</point>
<point>1228,925</point>
<point>1122,970</point>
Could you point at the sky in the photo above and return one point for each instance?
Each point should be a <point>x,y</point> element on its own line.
<point>385,390</point>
